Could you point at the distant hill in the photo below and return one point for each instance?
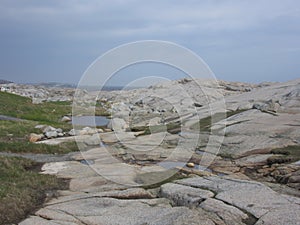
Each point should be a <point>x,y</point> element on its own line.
<point>55,84</point>
<point>5,82</point>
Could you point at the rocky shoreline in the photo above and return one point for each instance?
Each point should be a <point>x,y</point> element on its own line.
<point>255,145</point>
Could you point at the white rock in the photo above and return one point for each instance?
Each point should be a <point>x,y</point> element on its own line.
<point>51,134</point>
<point>66,119</point>
<point>49,128</point>
<point>117,124</point>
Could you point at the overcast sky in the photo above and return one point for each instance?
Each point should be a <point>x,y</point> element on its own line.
<point>56,40</point>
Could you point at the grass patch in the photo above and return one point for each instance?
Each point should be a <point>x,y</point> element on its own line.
<point>289,153</point>
<point>23,108</point>
<point>27,147</point>
<point>47,112</point>
<point>14,138</point>
<point>16,130</point>
<point>205,123</point>
<point>22,191</point>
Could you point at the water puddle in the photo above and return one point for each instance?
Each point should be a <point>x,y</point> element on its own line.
<point>90,120</point>
<point>87,162</point>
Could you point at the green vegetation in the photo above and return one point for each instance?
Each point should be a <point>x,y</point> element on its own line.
<point>205,123</point>
<point>49,113</point>
<point>22,190</point>
<point>26,147</point>
<point>23,108</point>
<point>14,137</point>
<point>289,153</point>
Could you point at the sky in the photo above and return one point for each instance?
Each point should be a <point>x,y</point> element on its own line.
<point>240,40</point>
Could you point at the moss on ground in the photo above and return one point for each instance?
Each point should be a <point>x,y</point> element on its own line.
<point>14,137</point>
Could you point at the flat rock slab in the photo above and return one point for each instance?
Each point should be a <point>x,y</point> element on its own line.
<point>252,197</point>
<point>228,213</point>
<point>9,118</point>
<point>111,211</point>
<point>57,141</point>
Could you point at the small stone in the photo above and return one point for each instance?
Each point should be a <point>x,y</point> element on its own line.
<point>191,165</point>
<point>66,119</point>
<point>40,126</point>
<point>72,132</point>
<point>51,134</point>
<point>60,135</point>
<point>89,131</point>
<point>48,129</point>
<point>35,137</point>
<point>93,140</point>
<point>107,130</point>
<point>59,130</point>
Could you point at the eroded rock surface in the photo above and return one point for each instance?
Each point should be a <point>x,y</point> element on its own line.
<point>258,139</point>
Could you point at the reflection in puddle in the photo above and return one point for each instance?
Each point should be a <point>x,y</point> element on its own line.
<point>87,162</point>
<point>90,120</point>
<point>200,152</point>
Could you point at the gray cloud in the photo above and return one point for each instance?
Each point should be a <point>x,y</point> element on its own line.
<point>56,40</point>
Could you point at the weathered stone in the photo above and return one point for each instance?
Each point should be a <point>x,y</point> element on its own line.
<point>269,106</point>
<point>41,127</point>
<point>135,212</point>
<point>88,131</point>
<point>117,124</point>
<point>228,214</point>
<point>273,123</point>
<point>66,119</point>
<point>59,130</point>
<point>92,140</point>
<point>73,132</point>
<point>288,215</point>
<point>51,134</point>
<point>49,129</point>
<point>131,193</point>
<point>60,134</point>
<point>184,195</point>
<point>294,179</point>
<point>35,137</point>
<point>253,197</point>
